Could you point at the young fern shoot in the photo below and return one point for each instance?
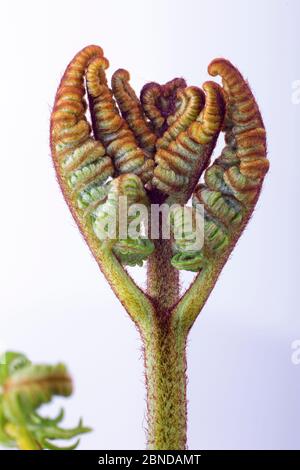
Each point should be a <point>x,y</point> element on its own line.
<point>156,150</point>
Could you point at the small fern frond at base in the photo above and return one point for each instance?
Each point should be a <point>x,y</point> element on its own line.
<point>24,388</point>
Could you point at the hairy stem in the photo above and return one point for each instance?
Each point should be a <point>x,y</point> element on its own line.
<point>162,278</point>
<point>192,302</point>
<point>165,360</point>
<point>138,306</point>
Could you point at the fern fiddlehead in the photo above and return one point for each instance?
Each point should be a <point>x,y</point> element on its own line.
<point>132,111</point>
<point>111,128</point>
<point>80,160</point>
<point>155,150</point>
<point>129,250</point>
<point>233,182</point>
<point>181,162</point>
<point>159,102</point>
<point>24,387</point>
<point>190,101</point>
<point>187,250</point>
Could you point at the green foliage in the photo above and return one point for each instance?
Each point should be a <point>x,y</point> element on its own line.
<point>24,387</point>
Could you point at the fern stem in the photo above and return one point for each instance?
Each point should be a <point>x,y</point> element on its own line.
<point>162,278</point>
<point>165,357</point>
<point>23,438</point>
<point>165,362</point>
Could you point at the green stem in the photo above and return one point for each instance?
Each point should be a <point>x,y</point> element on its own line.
<point>165,358</point>
<point>165,345</point>
<point>23,438</point>
<point>165,362</point>
<point>138,306</point>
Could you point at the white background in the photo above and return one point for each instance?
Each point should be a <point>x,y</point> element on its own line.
<point>55,305</point>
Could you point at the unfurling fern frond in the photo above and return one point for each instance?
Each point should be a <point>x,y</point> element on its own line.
<point>233,182</point>
<point>80,161</point>
<point>111,128</point>
<point>190,101</point>
<point>186,224</point>
<point>181,160</point>
<point>160,101</point>
<point>132,110</point>
<point>127,190</point>
<point>149,153</point>
<point>84,165</point>
<point>24,388</point>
